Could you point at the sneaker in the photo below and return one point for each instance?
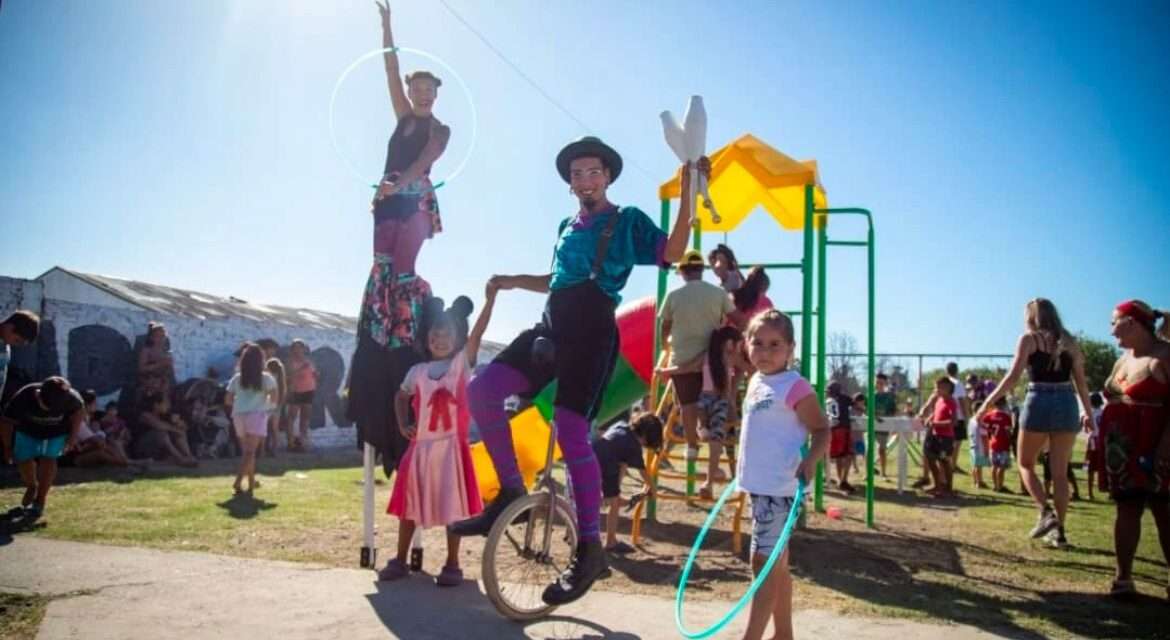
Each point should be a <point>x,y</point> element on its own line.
<point>450,577</point>
<point>921,482</point>
<point>14,512</point>
<point>665,465</point>
<point>481,525</point>
<point>1056,539</point>
<point>1045,523</point>
<point>588,565</point>
<point>394,570</point>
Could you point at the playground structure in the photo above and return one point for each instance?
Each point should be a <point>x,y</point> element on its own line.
<point>747,173</point>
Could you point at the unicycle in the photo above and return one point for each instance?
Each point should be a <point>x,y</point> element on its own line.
<point>529,546</point>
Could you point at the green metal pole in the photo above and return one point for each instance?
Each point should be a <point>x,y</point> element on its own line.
<point>806,302</point>
<point>822,277</point>
<point>869,400</point>
<point>664,222</point>
<point>871,349</point>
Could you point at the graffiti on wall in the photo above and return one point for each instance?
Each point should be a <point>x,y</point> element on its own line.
<point>102,359</point>
<point>34,362</point>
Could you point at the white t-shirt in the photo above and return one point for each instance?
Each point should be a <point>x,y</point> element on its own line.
<point>250,400</point>
<point>958,394</point>
<point>772,434</point>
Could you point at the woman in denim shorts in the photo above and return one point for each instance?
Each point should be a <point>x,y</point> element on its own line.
<point>1049,416</point>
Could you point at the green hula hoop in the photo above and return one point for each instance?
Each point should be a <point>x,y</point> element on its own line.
<point>759,580</point>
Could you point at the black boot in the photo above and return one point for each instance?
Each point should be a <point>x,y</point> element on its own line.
<point>587,566</point>
<point>481,525</point>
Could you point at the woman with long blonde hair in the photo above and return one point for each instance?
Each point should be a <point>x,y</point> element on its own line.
<point>1048,417</point>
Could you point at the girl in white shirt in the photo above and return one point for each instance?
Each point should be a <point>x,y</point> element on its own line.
<point>779,411</point>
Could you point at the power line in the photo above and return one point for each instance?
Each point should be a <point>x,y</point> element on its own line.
<point>527,78</point>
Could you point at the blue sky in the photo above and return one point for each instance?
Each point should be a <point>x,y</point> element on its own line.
<point>1008,150</point>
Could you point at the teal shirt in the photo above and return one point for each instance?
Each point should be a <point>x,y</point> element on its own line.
<point>636,240</point>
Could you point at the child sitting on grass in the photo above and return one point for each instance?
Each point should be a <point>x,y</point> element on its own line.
<point>619,448</point>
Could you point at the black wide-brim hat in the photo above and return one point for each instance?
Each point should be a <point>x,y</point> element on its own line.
<point>589,146</point>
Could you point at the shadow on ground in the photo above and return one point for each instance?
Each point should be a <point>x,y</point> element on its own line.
<point>466,608</point>
<point>915,573</point>
<point>245,506</point>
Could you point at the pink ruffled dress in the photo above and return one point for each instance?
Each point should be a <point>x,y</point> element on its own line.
<point>435,485</point>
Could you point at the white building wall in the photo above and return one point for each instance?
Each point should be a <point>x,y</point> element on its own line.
<point>18,293</point>
<point>196,344</point>
<point>59,285</point>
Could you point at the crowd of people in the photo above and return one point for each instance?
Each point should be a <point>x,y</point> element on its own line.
<point>47,423</point>
<point>730,358</point>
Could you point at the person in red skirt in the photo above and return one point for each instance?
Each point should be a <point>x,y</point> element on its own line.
<point>1135,435</point>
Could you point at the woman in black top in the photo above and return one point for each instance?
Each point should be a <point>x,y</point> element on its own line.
<point>405,210</point>
<point>1048,418</point>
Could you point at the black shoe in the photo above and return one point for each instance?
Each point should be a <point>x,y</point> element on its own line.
<point>1056,539</point>
<point>481,525</point>
<point>587,566</point>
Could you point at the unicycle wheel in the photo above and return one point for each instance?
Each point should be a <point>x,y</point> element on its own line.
<point>517,566</point>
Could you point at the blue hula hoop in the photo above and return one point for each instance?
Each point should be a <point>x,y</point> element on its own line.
<point>755,585</point>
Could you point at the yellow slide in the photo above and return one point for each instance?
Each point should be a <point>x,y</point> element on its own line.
<point>530,438</point>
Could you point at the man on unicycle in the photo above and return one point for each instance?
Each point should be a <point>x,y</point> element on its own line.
<point>595,252</point>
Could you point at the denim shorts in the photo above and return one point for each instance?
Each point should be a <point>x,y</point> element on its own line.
<point>1050,408</point>
<point>769,515</point>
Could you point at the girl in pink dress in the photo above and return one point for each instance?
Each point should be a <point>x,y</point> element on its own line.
<point>435,485</point>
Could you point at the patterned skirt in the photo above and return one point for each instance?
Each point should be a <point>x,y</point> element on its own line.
<point>392,305</point>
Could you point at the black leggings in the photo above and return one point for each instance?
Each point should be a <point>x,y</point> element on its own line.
<point>580,323</point>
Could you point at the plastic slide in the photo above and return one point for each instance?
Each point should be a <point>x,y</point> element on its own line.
<point>630,382</point>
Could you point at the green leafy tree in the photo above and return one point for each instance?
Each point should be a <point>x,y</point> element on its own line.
<point>1099,359</point>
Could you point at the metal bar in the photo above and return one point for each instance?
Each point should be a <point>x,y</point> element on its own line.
<point>773,265</point>
<point>926,355</point>
<point>822,278</point>
<point>806,260</point>
<point>847,243</point>
<point>869,399</point>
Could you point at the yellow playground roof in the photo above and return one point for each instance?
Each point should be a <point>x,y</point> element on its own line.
<point>746,173</point>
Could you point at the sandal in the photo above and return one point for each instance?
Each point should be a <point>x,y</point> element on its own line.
<point>450,577</point>
<point>394,570</point>
<point>1123,590</point>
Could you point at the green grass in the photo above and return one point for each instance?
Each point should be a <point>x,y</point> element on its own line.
<point>20,615</point>
<point>965,561</point>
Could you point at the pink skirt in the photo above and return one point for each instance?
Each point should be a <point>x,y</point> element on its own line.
<point>251,423</point>
<point>435,485</point>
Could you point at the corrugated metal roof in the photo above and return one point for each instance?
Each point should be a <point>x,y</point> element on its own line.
<point>195,304</point>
